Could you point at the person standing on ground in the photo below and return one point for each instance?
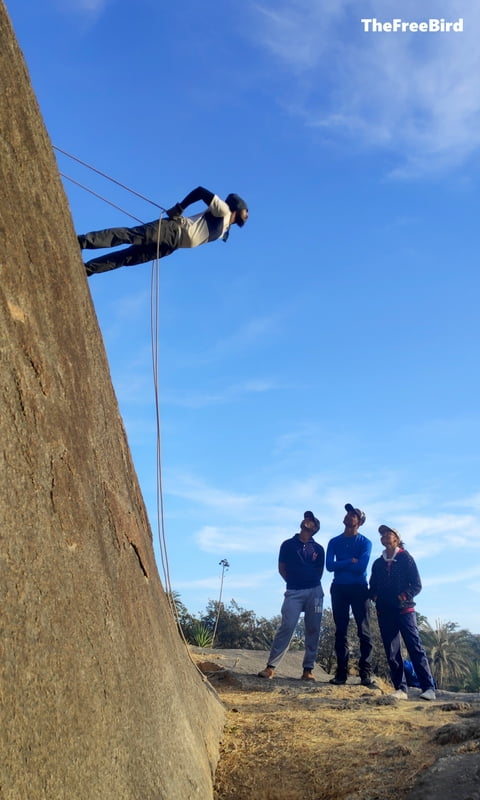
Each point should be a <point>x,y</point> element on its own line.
<point>162,237</point>
<point>300,563</point>
<point>347,558</point>
<point>394,582</point>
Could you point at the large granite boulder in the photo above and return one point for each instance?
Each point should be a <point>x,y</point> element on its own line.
<point>99,697</point>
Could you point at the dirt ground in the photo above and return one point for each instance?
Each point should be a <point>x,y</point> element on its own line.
<point>285,739</point>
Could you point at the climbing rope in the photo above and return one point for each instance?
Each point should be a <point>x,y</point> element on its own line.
<point>100,197</point>
<point>108,177</point>
<point>154,325</point>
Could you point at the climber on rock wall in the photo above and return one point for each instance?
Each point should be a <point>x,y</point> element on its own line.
<point>161,237</point>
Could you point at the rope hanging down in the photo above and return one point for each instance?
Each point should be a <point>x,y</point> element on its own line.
<point>154,325</point>
<point>154,312</point>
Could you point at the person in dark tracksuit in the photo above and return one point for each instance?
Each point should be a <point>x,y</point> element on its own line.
<point>394,582</point>
<point>347,557</point>
<point>162,237</point>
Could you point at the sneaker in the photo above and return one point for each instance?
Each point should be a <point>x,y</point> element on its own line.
<point>366,680</point>
<point>268,672</point>
<point>338,680</point>
<point>428,694</point>
<point>399,694</point>
<point>307,675</point>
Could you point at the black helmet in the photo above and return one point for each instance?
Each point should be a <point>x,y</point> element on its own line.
<point>235,202</point>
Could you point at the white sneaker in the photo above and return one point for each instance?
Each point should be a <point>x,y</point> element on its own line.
<point>399,694</point>
<point>428,694</point>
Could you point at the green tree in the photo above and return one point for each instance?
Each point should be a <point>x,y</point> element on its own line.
<point>186,623</point>
<point>472,681</point>
<point>237,628</point>
<point>448,652</point>
<point>326,647</point>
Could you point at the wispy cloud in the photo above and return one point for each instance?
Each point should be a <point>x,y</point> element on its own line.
<point>241,539</point>
<point>82,6</point>
<point>435,533</point>
<point>88,9</point>
<point>247,336</point>
<point>265,514</point>
<point>225,394</point>
<point>196,490</point>
<point>460,577</point>
<point>416,94</point>
<point>472,501</point>
<point>248,527</point>
<point>249,581</point>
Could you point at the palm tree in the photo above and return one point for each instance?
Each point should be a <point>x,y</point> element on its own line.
<point>447,651</point>
<point>472,682</point>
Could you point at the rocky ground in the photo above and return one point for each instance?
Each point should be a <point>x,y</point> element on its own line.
<point>286,739</point>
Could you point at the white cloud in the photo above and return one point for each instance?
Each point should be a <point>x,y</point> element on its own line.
<point>189,487</point>
<point>459,577</point>
<point>415,94</point>
<point>472,502</point>
<point>241,539</point>
<point>82,6</point>
<point>434,531</point>
<point>226,394</point>
<point>252,333</point>
<point>254,522</point>
<point>231,581</point>
<point>248,527</point>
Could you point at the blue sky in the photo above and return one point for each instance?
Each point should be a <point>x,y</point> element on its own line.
<point>328,353</point>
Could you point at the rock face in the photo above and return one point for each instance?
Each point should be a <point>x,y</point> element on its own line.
<point>99,698</point>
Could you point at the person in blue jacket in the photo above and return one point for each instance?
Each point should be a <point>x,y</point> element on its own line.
<point>300,563</point>
<point>347,557</point>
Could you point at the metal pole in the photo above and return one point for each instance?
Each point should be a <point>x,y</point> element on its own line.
<point>224,565</point>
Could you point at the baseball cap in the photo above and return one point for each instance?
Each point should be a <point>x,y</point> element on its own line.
<point>360,514</point>
<point>386,528</point>
<point>309,515</point>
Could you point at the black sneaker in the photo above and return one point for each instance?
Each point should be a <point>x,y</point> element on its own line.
<point>366,680</point>
<point>338,680</point>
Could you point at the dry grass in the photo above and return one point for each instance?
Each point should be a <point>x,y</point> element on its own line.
<point>322,742</point>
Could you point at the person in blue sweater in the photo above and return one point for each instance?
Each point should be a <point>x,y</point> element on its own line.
<point>394,582</point>
<point>300,563</point>
<point>347,557</point>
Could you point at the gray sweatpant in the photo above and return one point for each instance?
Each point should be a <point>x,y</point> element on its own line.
<point>310,601</point>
